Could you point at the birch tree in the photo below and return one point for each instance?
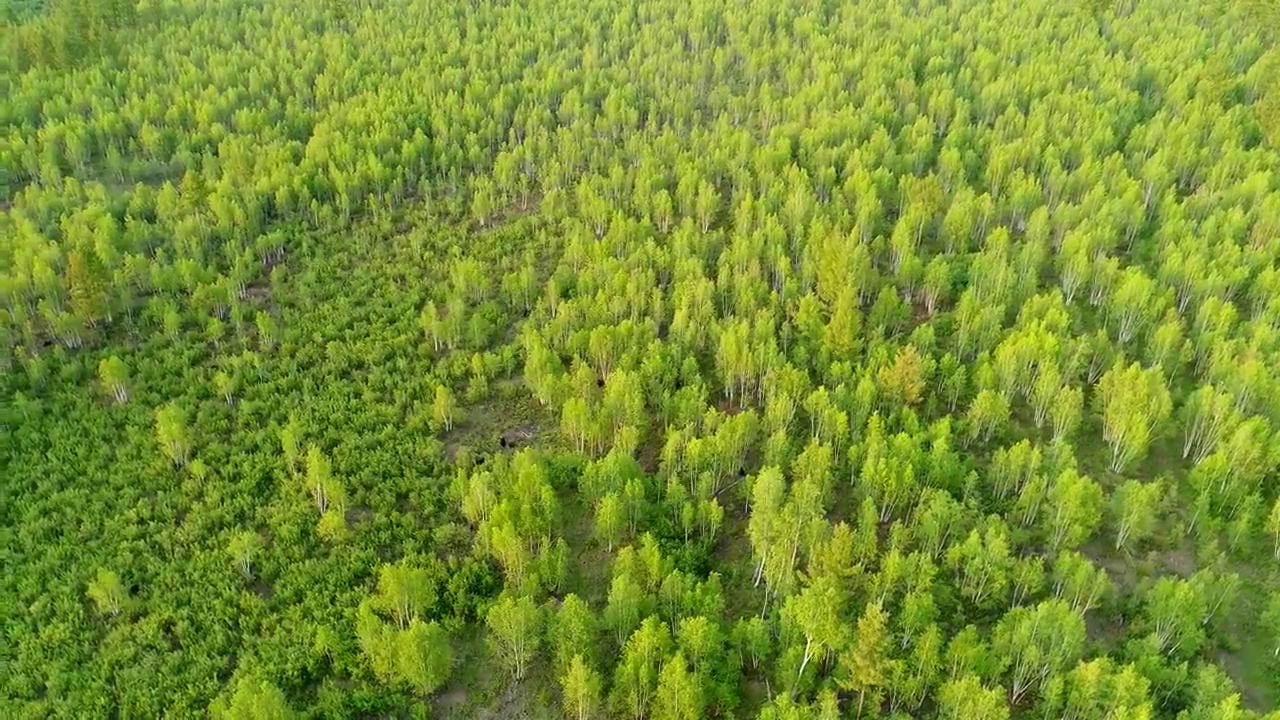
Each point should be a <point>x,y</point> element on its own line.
<point>515,631</point>
<point>1135,404</point>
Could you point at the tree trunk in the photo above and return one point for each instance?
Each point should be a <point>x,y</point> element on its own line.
<point>805,662</point>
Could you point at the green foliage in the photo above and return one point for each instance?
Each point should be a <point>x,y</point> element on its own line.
<point>580,688</point>
<point>443,408</point>
<point>1135,511</point>
<point>572,632</point>
<point>423,658</point>
<point>864,659</point>
<point>515,632</point>
<point>418,656</point>
<point>253,699</point>
<point>107,593</point>
<point>243,548</point>
<point>404,593</point>
<point>968,698</point>
<point>171,432</point>
<point>68,31</point>
<point>115,378</point>
<point>730,363</point>
<point>1134,403</point>
<point>679,692</point>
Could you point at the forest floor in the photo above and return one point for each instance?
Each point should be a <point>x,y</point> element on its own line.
<point>505,423</point>
<point>1245,656</point>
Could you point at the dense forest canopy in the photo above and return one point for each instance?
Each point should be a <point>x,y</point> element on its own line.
<point>659,359</point>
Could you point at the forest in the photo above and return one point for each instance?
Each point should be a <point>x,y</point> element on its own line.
<point>640,359</point>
